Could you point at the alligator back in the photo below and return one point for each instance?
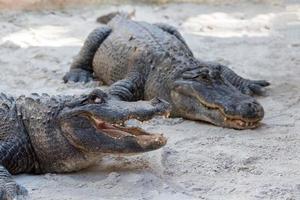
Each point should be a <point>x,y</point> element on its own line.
<point>137,46</point>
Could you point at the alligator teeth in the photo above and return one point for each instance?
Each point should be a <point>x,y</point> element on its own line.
<point>240,122</point>
<point>167,115</point>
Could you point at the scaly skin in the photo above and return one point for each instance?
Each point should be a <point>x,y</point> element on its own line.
<point>141,60</point>
<point>43,134</point>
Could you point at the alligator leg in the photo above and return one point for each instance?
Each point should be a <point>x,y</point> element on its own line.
<point>246,86</point>
<point>16,157</point>
<point>173,31</point>
<point>9,189</point>
<point>82,67</point>
<point>128,89</point>
<point>16,153</point>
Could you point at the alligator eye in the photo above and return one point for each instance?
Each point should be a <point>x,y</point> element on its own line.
<point>98,100</point>
<point>94,99</point>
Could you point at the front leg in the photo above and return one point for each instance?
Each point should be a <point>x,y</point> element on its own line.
<point>9,189</point>
<point>246,86</point>
<point>129,89</point>
<point>82,67</point>
<point>16,156</point>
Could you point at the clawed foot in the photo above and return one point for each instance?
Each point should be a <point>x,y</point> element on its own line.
<point>252,87</point>
<point>78,75</point>
<point>202,72</point>
<point>12,191</point>
<point>246,86</point>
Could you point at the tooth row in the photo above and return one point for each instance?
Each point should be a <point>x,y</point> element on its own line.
<point>241,123</point>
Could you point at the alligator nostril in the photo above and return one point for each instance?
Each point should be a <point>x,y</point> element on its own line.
<point>251,110</point>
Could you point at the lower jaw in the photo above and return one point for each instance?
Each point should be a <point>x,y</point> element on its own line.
<point>243,127</point>
<point>218,119</point>
<point>240,125</point>
<point>230,123</point>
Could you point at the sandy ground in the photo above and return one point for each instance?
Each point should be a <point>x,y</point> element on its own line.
<point>200,161</point>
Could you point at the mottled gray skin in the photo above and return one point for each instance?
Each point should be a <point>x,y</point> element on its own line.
<point>141,60</point>
<point>43,134</point>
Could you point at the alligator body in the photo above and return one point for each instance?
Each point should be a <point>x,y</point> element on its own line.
<point>141,60</point>
<point>43,134</point>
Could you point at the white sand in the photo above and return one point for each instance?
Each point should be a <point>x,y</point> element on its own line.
<point>200,161</point>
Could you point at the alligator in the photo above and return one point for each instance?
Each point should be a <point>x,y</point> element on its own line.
<point>141,60</point>
<point>57,134</point>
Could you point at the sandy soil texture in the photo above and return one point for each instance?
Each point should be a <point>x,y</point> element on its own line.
<point>200,161</point>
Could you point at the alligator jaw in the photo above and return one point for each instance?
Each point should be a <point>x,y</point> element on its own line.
<point>241,123</point>
<point>119,131</point>
<point>235,122</point>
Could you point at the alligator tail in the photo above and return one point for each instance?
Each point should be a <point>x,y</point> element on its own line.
<point>104,19</point>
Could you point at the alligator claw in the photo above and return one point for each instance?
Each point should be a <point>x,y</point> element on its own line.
<point>162,105</point>
<point>21,191</point>
<point>78,75</point>
<point>261,83</point>
<point>12,191</point>
<point>254,87</point>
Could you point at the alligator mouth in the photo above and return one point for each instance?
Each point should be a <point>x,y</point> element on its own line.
<point>118,131</point>
<point>241,123</point>
<point>230,121</point>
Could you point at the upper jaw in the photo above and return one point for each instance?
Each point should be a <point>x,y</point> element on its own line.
<point>117,112</point>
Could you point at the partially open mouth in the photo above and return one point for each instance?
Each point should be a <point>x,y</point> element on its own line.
<point>118,131</point>
<point>241,123</point>
<point>231,121</point>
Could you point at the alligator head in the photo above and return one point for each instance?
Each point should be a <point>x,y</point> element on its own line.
<point>202,94</point>
<point>95,123</point>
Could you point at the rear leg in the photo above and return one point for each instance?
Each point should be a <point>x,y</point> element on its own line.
<point>82,67</point>
<point>246,86</point>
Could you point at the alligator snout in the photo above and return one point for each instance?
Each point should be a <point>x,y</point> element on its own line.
<point>250,109</point>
